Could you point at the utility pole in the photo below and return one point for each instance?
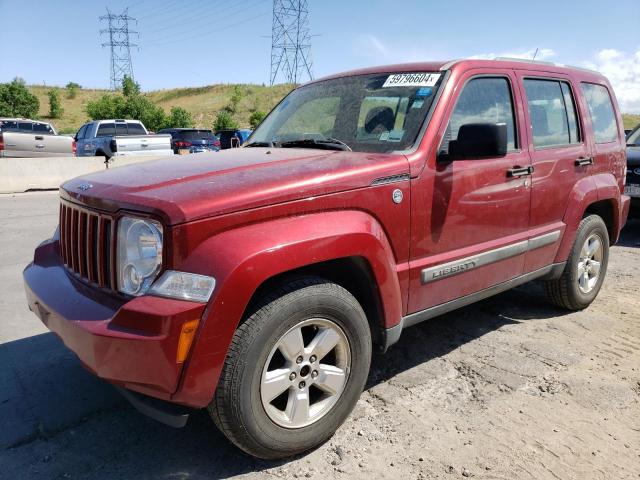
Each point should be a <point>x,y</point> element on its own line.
<point>118,31</point>
<point>290,41</point>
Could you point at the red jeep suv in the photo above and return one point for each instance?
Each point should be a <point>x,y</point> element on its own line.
<point>258,285</point>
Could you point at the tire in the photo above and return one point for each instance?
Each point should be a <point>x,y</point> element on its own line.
<point>322,312</point>
<point>571,290</point>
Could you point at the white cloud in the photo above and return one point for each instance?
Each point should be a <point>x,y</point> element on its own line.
<point>541,54</point>
<point>623,71</point>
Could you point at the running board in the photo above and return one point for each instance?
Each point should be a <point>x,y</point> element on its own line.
<point>392,335</point>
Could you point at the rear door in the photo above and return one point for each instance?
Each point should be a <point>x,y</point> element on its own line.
<point>559,155</point>
<point>470,217</point>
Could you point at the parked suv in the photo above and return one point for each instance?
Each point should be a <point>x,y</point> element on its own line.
<point>258,285</point>
<point>192,140</point>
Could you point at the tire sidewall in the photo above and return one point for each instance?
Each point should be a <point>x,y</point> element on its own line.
<point>311,302</point>
<point>589,225</point>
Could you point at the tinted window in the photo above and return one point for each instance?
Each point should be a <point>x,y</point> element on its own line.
<point>43,128</point>
<point>106,130</point>
<point>601,111</point>
<point>552,113</point>
<point>483,100</point>
<point>81,132</point>
<point>195,135</point>
<point>8,125</point>
<point>136,129</point>
<point>25,127</point>
<point>121,129</point>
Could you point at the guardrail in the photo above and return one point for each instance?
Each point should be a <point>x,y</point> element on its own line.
<point>44,173</point>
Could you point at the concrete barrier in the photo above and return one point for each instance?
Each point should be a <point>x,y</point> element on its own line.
<point>22,174</point>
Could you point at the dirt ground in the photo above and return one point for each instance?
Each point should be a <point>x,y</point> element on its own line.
<point>509,388</point>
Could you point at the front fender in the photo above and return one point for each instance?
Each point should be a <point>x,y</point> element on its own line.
<point>242,259</point>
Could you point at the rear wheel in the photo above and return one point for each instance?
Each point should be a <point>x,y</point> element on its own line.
<point>586,267</point>
<point>295,369</point>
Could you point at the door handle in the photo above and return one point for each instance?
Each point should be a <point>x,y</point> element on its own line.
<point>517,172</point>
<point>584,161</point>
<point>39,137</point>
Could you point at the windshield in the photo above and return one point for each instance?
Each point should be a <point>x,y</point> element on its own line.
<point>366,113</point>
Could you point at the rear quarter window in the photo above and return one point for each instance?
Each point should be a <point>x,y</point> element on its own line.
<point>136,129</point>
<point>8,126</point>
<point>603,118</point>
<point>106,130</point>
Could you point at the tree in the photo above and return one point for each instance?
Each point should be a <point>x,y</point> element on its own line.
<point>179,118</point>
<point>106,107</point>
<point>236,96</point>
<point>256,117</point>
<point>130,87</point>
<point>72,89</point>
<point>224,121</point>
<point>55,108</point>
<point>17,101</point>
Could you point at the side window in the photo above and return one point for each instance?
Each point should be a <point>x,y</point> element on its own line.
<point>42,128</point>
<point>552,113</point>
<point>601,111</point>
<point>106,130</point>
<point>8,126</point>
<point>483,100</point>
<point>25,127</point>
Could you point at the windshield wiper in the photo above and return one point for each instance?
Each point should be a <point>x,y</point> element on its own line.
<point>325,143</point>
<point>260,144</point>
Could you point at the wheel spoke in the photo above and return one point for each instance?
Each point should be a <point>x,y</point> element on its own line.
<point>584,281</point>
<point>330,379</point>
<point>291,345</point>
<point>581,269</point>
<point>298,405</point>
<point>274,383</point>
<point>325,340</point>
<point>595,268</point>
<point>593,247</point>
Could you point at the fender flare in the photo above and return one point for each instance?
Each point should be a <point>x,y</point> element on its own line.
<point>242,259</point>
<point>586,192</point>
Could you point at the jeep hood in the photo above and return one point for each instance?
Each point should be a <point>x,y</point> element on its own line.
<point>190,187</point>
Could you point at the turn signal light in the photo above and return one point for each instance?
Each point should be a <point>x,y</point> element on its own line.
<point>186,338</point>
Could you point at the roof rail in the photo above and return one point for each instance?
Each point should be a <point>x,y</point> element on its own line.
<point>450,64</point>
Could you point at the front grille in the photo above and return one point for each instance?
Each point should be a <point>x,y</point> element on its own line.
<point>87,244</point>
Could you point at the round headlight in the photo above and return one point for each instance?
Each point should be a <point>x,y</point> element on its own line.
<point>139,254</point>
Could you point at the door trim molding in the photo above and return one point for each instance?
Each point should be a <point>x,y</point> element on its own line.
<point>445,270</point>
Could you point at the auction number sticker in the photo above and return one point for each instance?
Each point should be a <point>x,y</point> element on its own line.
<point>411,80</point>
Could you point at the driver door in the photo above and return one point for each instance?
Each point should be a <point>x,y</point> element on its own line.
<point>470,217</point>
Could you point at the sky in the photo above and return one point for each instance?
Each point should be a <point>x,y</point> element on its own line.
<point>202,42</point>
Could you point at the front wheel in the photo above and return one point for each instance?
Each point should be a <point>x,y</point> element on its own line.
<point>586,267</point>
<point>295,369</point>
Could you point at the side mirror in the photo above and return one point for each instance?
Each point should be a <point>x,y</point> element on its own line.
<point>478,140</point>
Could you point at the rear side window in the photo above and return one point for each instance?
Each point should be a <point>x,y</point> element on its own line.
<point>601,111</point>
<point>136,129</point>
<point>81,132</point>
<point>483,100</point>
<point>552,113</point>
<point>106,130</point>
<point>43,128</point>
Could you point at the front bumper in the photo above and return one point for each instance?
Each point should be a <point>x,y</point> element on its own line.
<point>129,342</point>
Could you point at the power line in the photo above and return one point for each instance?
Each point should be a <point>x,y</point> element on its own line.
<point>208,32</point>
<point>120,45</point>
<point>290,41</point>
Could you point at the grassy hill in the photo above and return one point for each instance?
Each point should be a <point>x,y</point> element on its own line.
<point>204,103</point>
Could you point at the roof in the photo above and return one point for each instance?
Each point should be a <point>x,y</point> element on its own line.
<point>499,62</point>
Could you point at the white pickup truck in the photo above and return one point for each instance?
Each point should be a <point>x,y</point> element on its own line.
<point>113,138</point>
<point>20,137</point>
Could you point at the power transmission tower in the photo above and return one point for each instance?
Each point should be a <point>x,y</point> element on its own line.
<point>120,45</point>
<point>290,41</point>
